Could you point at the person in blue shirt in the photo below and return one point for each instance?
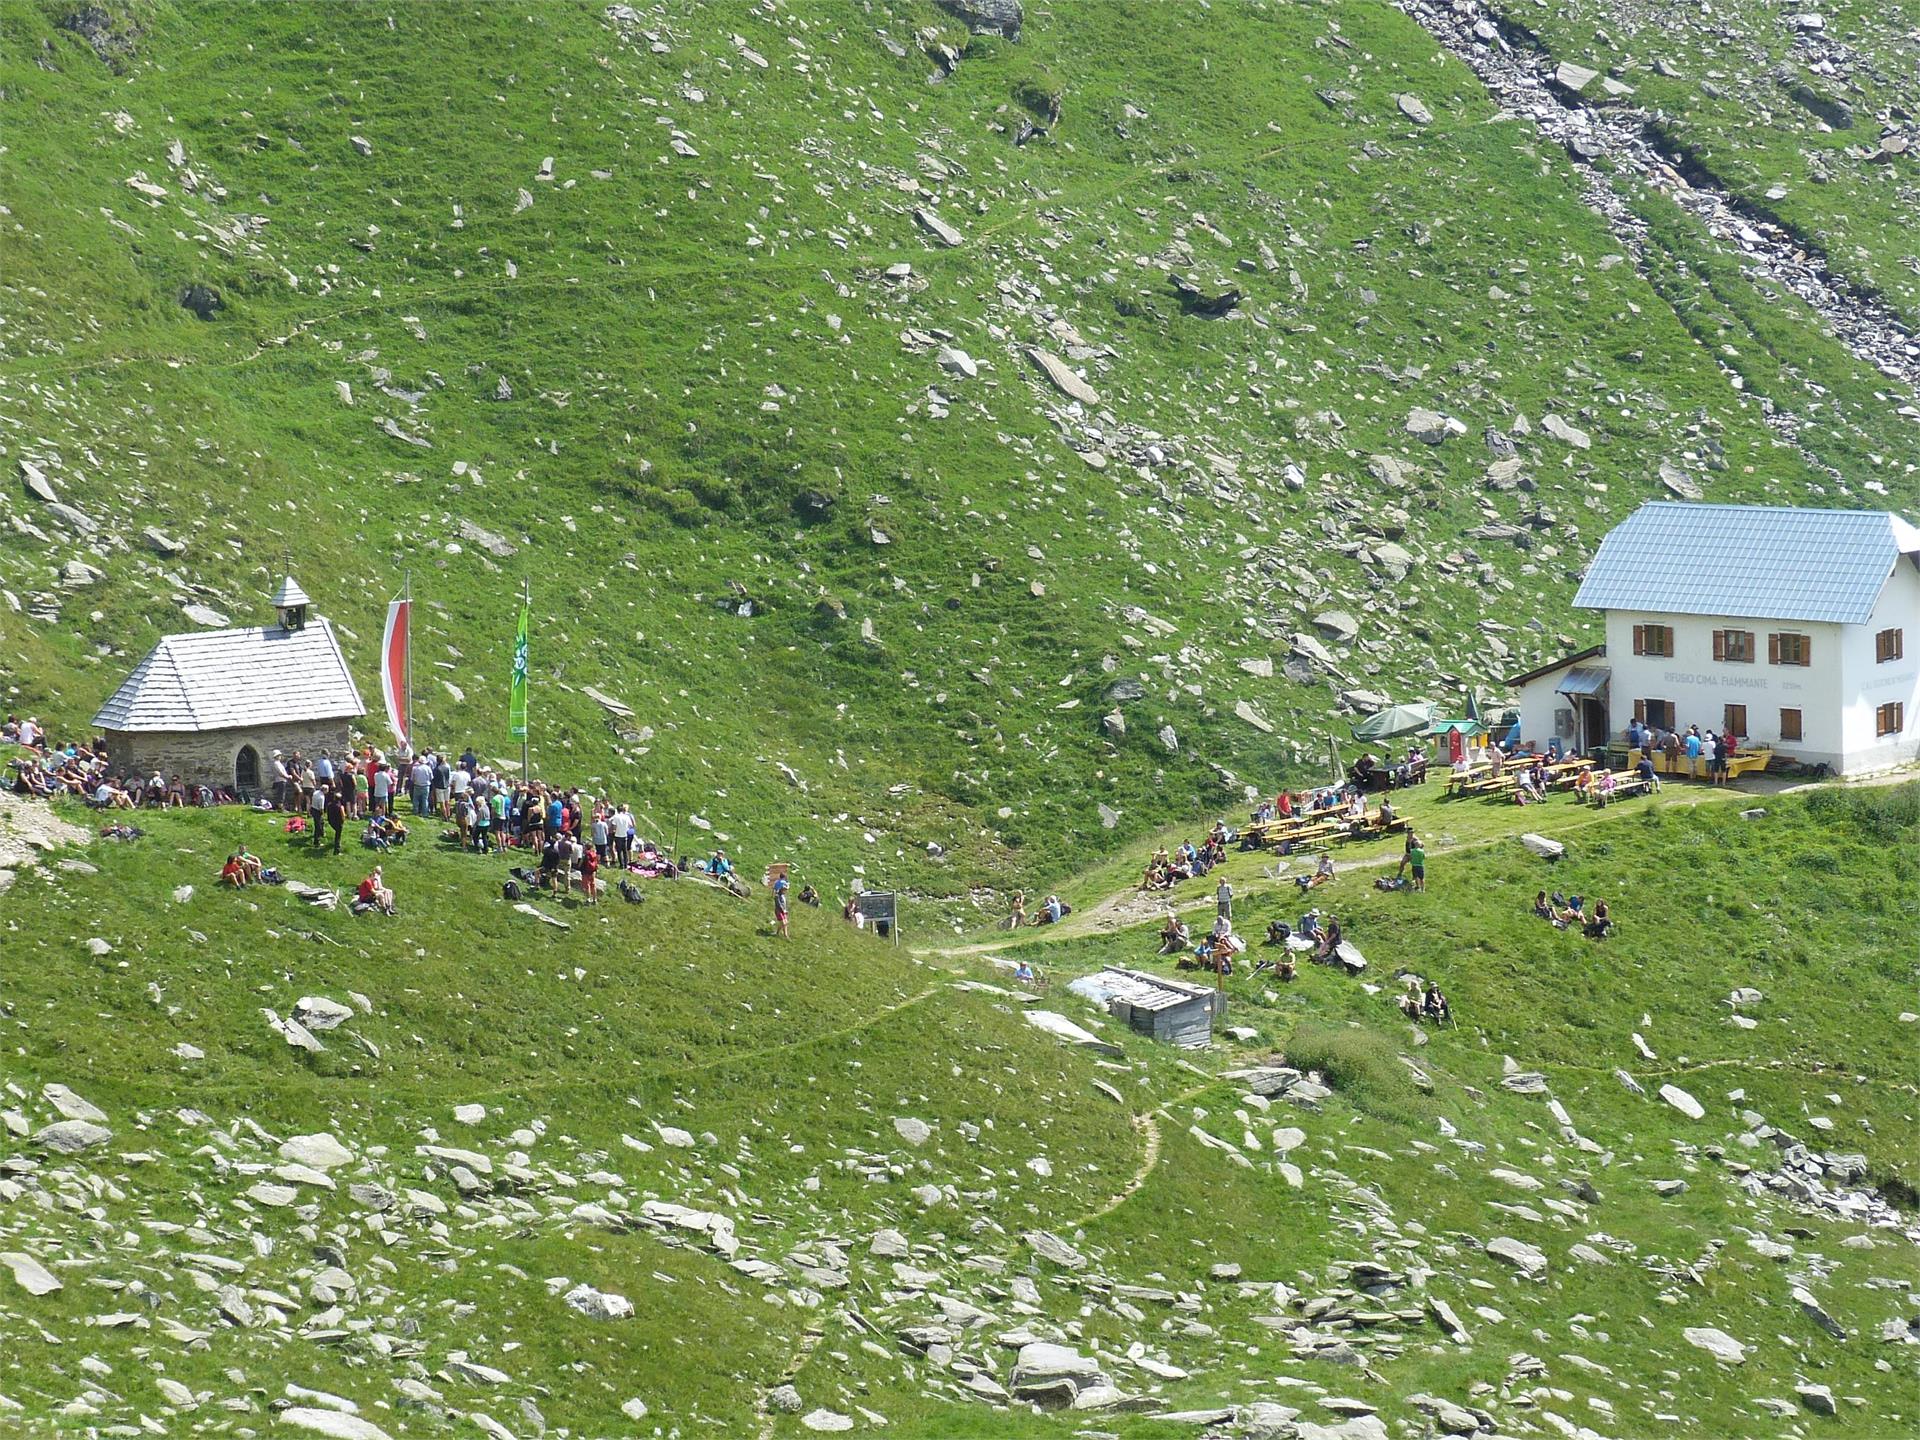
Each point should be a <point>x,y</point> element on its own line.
<point>1693,752</point>
<point>780,908</point>
<point>556,816</point>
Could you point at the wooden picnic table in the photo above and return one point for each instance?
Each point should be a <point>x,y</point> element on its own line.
<point>1625,783</point>
<point>1271,832</point>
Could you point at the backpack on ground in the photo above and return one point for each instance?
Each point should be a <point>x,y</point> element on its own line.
<point>510,891</point>
<point>630,892</point>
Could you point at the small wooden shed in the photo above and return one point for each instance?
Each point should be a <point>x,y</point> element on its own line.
<point>1174,1012</point>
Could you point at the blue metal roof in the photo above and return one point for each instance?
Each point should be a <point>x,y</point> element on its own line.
<point>1747,560</point>
<point>1584,680</point>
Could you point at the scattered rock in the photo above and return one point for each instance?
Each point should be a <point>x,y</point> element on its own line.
<point>1517,1253</point>
<point>1054,1250</point>
<point>931,222</point>
<point>986,17</point>
<point>599,1304</point>
<point>1817,1398</point>
<point>334,1423</point>
<point>1717,1343</point>
<point>70,1137</point>
<point>1567,434</point>
<point>1683,1102</point>
<point>29,1274</point>
<point>1062,377</point>
<point>914,1132</point>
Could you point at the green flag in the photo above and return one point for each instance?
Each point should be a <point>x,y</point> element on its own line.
<point>517,696</point>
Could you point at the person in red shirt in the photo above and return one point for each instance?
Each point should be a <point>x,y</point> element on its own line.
<point>589,873</point>
<point>374,894</point>
<point>233,872</point>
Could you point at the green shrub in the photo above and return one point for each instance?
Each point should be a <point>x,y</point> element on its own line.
<point>1363,1067</point>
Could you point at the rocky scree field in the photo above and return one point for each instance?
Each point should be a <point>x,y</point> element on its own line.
<point>271,1168</point>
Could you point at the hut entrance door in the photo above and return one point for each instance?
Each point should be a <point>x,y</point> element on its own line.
<point>246,771</point>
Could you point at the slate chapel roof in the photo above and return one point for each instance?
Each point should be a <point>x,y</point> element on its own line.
<point>231,679</point>
<point>1766,562</point>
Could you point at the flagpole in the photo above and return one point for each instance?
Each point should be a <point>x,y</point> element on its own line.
<point>526,763</point>
<point>412,749</point>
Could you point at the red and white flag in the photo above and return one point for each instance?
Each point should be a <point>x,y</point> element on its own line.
<point>396,669</point>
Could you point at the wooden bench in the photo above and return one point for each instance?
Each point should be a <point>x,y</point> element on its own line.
<point>1311,834</point>
<point>1374,830</point>
<point>1462,783</point>
<point>1625,783</point>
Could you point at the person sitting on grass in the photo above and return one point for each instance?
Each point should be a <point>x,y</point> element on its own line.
<point>250,863</point>
<point>1330,938</point>
<point>1542,910</point>
<point>1434,1007</point>
<point>1409,999</point>
<point>1575,913</point>
<point>1023,973</point>
<point>373,894</point>
<point>1173,935</point>
<point>1526,786</point>
<point>1053,912</point>
<point>810,896</point>
<point>233,873</point>
<point>1322,873</point>
<point>1278,932</point>
<point>1600,925</point>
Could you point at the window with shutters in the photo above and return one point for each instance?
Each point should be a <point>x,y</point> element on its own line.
<point>1786,648</point>
<point>1890,719</point>
<point>1888,645</point>
<point>1657,713</point>
<point>1653,640</point>
<point>1733,647</point>
<point>1790,725</point>
<point>1733,721</point>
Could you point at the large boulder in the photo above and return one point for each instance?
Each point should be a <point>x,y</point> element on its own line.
<point>986,17</point>
<point>70,1137</point>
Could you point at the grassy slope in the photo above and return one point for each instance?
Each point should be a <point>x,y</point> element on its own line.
<point>1727,105</point>
<point>685,1012</point>
<point>692,344</point>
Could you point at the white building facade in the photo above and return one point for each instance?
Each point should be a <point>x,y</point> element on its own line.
<point>1794,629</point>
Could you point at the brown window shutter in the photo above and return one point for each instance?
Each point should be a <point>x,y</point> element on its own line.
<point>1640,707</point>
<point>1719,644</point>
<point>1773,649</point>
<point>1639,639</point>
<point>1806,650</point>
